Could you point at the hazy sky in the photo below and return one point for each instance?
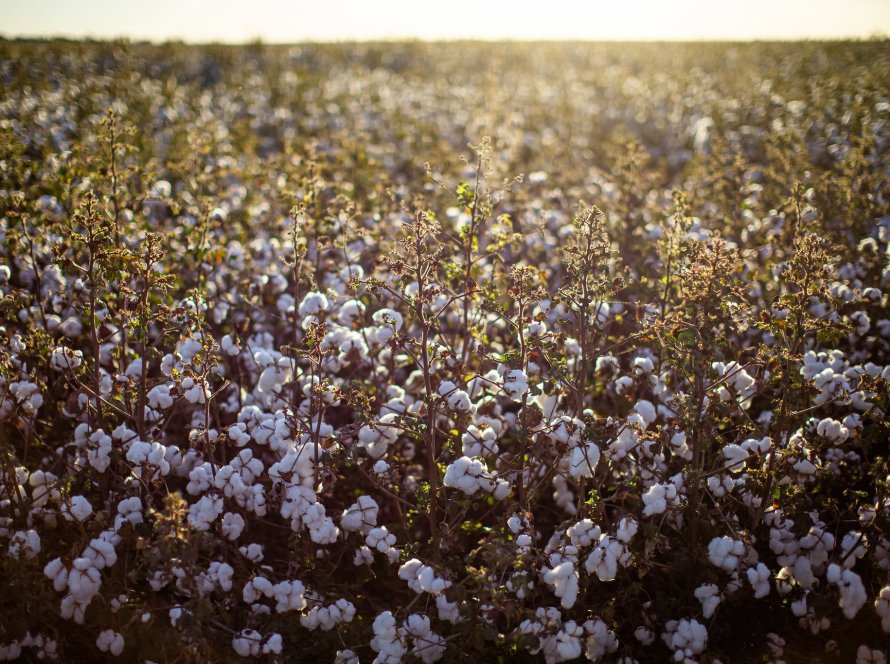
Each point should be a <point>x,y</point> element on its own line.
<point>325,20</point>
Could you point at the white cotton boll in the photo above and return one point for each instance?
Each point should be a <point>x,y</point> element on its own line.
<point>563,579</point>
<point>247,643</point>
<point>253,552</point>
<point>735,456</point>
<point>232,526</point>
<point>866,655</point>
<point>583,533</point>
<point>159,397</point>
<point>380,467</point>
<point>237,433</point>
<point>757,446</point>
<point>350,311</point>
<point>63,358</point>
<point>851,588</point>
<point>77,508</point>
<point>861,322</point>
<point>361,515</point>
<point>456,399</point>
<point>726,553</point>
<point>583,460</point>
<point>285,303</point>
<point>515,384</point>
<point>605,558</point>
<point>448,611</point>
<point>194,391</point>
<point>623,384</point>
<point>346,657</point>
<point>758,577</point>
<point>229,346</point>
<point>643,365</point>
<point>627,528</point>
<point>882,607</point>
<point>646,411</point>
<point>832,430</point>
<point>709,597</point>
<point>657,497</point>
<point>272,645</point>
<point>388,317</point>
<point>204,512</point>
<point>688,639</point>
<point>24,543</point>
<point>313,304</point>
<point>111,642</point>
<point>644,635</point>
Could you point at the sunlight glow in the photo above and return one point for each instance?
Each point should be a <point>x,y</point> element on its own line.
<point>334,20</point>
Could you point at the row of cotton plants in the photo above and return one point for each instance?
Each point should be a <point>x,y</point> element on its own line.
<point>271,389</point>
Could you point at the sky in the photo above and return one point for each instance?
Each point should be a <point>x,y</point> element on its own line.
<point>279,21</point>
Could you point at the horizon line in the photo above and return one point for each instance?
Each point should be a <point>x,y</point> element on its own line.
<point>129,39</point>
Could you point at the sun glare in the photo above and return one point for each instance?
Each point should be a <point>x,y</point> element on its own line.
<point>334,20</point>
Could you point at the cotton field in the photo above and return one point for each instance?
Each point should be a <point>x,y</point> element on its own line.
<point>445,352</point>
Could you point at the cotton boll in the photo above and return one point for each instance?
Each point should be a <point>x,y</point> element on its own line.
<point>313,304</point>
<point>758,577</point>
<point>646,411</point>
<point>852,590</point>
<point>272,645</point>
<point>832,430</point>
<point>515,384</point>
<point>657,498</point>
<point>111,642</point>
<point>77,508</point>
<point>232,526</point>
<point>63,358</point>
<point>882,607</point>
<point>709,597</point>
<point>735,457</point>
<point>725,553</point>
<point>583,460</point>
<point>247,643</point>
<point>350,311</point>
<point>866,655</point>
<point>24,544</point>
<point>643,365</point>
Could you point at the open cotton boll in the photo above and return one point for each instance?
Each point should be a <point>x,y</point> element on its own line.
<point>313,304</point>
<point>882,607</point>
<point>247,643</point>
<point>832,430</point>
<point>515,384</point>
<point>758,577</point>
<point>643,365</point>
<point>726,553</point>
<point>646,411</point>
<point>361,515</point>
<point>709,596</point>
<point>350,311</point>
<point>657,498</point>
<point>456,399</point>
<point>852,590</point>
<point>111,642</point>
<point>422,578</point>
<point>563,579</point>
<point>77,508</point>
<point>687,638</point>
<point>24,544</point>
<point>583,460</point>
<point>63,358</point>
<point>735,456</point>
<point>476,442</point>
